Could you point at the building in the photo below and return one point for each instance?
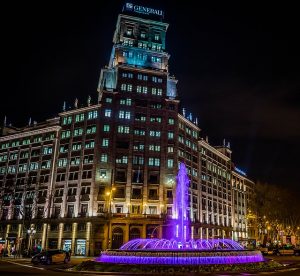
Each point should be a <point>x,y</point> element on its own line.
<point>97,176</point>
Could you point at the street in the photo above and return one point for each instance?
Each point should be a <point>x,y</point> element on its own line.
<point>10,266</point>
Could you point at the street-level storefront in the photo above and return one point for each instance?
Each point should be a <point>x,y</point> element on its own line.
<point>80,248</point>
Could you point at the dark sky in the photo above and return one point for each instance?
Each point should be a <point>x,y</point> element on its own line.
<point>237,66</point>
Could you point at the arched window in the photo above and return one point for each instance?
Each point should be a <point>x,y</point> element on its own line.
<point>134,233</point>
<point>117,238</point>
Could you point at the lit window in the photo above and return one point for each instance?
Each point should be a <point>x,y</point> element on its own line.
<point>130,54</point>
<point>123,87</point>
<point>106,128</point>
<point>47,150</point>
<point>129,87</point>
<point>170,163</point>
<point>107,113</point>
<point>105,142</point>
<point>108,100</point>
<point>129,31</point>
<point>78,131</point>
<point>171,121</point>
<point>127,115</point>
<point>67,120</point>
<point>143,35</point>
<point>103,157</point>
<point>145,89</point>
<point>138,89</point>
<point>156,37</point>
<point>79,117</point>
<point>170,149</point>
<point>93,114</point>
<point>170,134</point>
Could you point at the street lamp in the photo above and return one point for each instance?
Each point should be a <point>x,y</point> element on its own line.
<point>31,232</point>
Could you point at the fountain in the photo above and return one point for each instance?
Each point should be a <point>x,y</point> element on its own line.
<point>181,249</point>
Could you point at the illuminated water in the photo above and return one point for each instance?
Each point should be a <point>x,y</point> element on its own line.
<point>181,250</point>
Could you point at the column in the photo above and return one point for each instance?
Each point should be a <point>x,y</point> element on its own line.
<point>87,239</point>
<point>60,233</point>
<point>44,242</point>
<point>74,235</point>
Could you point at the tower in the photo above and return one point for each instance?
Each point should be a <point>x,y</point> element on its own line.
<point>140,108</point>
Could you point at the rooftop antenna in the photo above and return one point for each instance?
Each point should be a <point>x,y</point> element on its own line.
<point>183,112</point>
<point>89,100</point>
<point>29,123</point>
<point>224,143</point>
<point>196,121</point>
<point>76,103</point>
<point>4,122</point>
<point>228,145</point>
<point>191,117</point>
<point>206,138</point>
<point>64,106</point>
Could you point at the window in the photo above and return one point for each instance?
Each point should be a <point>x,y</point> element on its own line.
<point>138,160</point>
<point>78,132</point>
<point>152,210</point>
<point>107,112</point>
<point>129,31</point>
<point>67,120</point>
<point>170,149</point>
<point>145,89</point>
<point>75,161</point>
<point>122,159</point>
<point>47,150</point>
<point>33,166</point>
<point>139,89</point>
<point>123,129</point>
<point>106,128</point>
<point>171,121</point>
<point>156,37</point>
<point>79,117</point>
<point>89,144</point>
<point>170,134</point>
<point>46,164</point>
<point>153,194</point>
<point>105,142</point>
<point>143,35</point>
<point>63,148</point>
<point>154,162</point>
<point>88,159</point>
<point>170,163</point>
<point>62,162</point>
<point>156,59</point>
<point>155,133</point>
<point>126,101</point>
<point>91,129</point>
<point>103,158</point>
<point>65,134</point>
<point>169,194</point>
<point>153,147</point>
<point>94,114</point>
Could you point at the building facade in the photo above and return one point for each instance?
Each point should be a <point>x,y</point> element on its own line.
<point>97,176</point>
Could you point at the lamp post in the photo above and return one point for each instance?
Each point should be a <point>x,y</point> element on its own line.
<point>31,232</point>
<point>109,194</point>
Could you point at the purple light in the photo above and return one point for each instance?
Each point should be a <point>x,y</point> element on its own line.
<point>181,250</point>
<point>181,258</point>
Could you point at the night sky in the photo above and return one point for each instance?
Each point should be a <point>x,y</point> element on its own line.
<point>237,66</point>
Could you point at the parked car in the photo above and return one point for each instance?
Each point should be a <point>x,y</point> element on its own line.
<point>266,251</point>
<point>51,256</point>
<point>297,251</point>
<point>284,251</point>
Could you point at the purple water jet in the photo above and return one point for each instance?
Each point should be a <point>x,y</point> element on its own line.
<point>181,250</point>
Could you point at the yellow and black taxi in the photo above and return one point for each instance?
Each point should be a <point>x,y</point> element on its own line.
<point>51,256</point>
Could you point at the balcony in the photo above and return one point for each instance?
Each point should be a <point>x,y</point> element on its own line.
<point>153,197</point>
<point>85,197</point>
<point>41,200</point>
<point>71,198</point>
<point>136,196</point>
<point>58,200</point>
<point>169,200</point>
